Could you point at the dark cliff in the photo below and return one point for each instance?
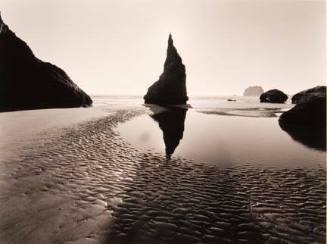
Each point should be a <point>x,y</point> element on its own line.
<point>29,83</point>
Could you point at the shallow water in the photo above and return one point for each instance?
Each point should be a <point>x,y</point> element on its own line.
<point>221,140</point>
<point>86,184</point>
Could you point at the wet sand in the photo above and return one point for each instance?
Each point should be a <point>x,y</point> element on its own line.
<point>86,184</point>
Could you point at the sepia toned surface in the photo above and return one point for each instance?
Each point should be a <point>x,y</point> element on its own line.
<point>226,140</point>
<point>87,184</point>
<point>115,47</point>
<point>220,169</point>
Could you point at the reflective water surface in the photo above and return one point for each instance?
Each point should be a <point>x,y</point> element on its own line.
<point>90,184</point>
<point>172,125</point>
<point>225,140</point>
<point>310,137</point>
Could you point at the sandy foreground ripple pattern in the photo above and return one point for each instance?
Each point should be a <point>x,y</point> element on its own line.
<point>88,185</point>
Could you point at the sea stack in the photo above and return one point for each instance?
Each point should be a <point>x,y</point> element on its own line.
<point>26,82</point>
<point>253,91</point>
<point>273,96</point>
<point>170,89</point>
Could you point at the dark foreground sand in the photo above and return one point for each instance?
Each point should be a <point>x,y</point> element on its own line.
<point>87,185</point>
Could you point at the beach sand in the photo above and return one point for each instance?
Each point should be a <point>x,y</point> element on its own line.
<point>81,182</point>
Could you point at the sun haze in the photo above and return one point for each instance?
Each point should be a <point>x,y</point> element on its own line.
<point>119,47</point>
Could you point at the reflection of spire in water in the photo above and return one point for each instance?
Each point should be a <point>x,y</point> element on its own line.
<point>310,137</point>
<point>171,123</point>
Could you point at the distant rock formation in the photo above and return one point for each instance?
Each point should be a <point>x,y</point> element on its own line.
<point>273,96</point>
<point>306,95</point>
<point>170,89</point>
<point>171,123</point>
<point>254,91</point>
<point>29,83</point>
<point>311,113</point>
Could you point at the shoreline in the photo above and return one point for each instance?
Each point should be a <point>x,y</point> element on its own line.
<point>20,129</point>
<point>88,185</point>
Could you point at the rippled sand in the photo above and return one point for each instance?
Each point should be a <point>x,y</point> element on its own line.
<point>88,185</point>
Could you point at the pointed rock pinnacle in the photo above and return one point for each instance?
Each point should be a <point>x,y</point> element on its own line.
<point>170,89</point>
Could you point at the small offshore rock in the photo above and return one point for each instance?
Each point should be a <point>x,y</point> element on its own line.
<point>273,96</point>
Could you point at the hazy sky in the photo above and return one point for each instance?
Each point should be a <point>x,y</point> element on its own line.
<point>119,47</point>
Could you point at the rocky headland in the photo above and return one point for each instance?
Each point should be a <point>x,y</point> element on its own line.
<point>29,83</point>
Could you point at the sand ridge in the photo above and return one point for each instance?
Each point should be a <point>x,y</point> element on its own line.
<point>88,185</point>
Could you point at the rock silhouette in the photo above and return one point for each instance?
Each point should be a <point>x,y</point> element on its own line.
<point>310,110</point>
<point>273,96</point>
<point>306,95</point>
<point>310,136</point>
<point>29,83</point>
<point>311,113</point>
<point>171,123</point>
<point>170,89</point>
<point>254,91</point>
